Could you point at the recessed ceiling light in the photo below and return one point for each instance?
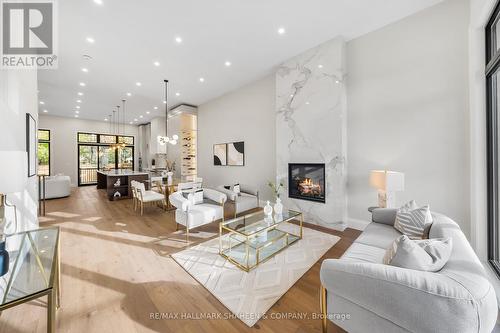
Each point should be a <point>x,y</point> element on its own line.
<point>45,111</point>
<point>178,40</point>
<point>76,116</point>
<point>147,112</point>
<point>337,81</point>
<point>320,66</point>
<point>307,103</point>
<point>156,108</point>
<point>138,84</point>
<point>164,102</point>
<point>42,102</point>
<point>291,95</point>
<point>156,63</point>
<point>129,94</point>
<point>99,2</point>
<point>77,112</point>
<point>131,123</point>
<point>227,63</point>
<point>80,94</point>
<point>78,100</point>
<point>105,119</point>
<point>78,106</point>
<point>85,70</point>
<point>141,116</point>
<point>281,31</point>
<point>177,94</point>
<point>135,119</point>
<point>202,79</point>
<point>82,84</point>
<point>90,40</point>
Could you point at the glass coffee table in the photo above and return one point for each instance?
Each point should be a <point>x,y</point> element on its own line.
<point>34,271</point>
<point>251,239</point>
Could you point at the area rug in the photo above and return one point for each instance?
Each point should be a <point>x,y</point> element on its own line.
<point>250,295</point>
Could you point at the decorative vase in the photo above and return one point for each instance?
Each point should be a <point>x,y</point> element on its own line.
<point>268,210</point>
<point>4,259</point>
<point>278,207</point>
<point>169,178</point>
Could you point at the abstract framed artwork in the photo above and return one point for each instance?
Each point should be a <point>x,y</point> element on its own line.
<point>31,144</point>
<point>220,154</point>
<point>236,153</point>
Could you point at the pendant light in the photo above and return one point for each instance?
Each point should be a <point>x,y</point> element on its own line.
<point>123,125</point>
<point>163,140</point>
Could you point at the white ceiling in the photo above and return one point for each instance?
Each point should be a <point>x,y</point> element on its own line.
<point>131,35</point>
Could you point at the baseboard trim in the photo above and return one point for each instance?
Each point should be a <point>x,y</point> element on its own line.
<point>357,224</point>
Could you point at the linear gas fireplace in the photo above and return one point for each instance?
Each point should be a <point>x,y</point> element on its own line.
<point>306,181</point>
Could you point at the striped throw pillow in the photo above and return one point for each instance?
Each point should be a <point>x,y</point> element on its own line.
<point>412,223</point>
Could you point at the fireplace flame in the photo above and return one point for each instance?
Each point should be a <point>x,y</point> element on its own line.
<point>307,186</point>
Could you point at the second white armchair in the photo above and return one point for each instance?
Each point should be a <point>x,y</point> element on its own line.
<point>247,199</point>
<point>192,216</point>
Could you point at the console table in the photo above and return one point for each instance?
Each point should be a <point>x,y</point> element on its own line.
<point>34,271</point>
<point>108,180</point>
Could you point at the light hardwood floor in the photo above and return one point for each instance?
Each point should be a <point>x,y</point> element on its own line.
<point>117,271</point>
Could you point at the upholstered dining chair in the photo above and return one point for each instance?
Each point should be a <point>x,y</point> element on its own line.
<point>146,197</point>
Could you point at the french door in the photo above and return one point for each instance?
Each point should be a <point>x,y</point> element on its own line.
<point>92,158</point>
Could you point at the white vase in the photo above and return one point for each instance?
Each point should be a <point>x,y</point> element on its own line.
<point>268,210</point>
<point>278,207</point>
<point>169,178</point>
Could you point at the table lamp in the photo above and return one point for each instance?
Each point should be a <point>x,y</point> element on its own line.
<point>387,182</point>
<point>13,171</point>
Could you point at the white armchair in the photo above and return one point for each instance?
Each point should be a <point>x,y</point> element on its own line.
<point>192,216</point>
<point>246,200</point>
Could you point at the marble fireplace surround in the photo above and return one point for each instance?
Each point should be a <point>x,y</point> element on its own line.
<point>311,127</point>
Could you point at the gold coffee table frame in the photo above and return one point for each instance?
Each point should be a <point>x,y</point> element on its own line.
<point>247,233</point>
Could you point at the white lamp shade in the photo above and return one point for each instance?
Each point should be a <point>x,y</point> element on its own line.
<point>389,181</point>
<point>13,171</point>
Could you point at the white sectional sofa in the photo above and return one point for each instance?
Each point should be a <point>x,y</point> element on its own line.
<point>57,187</point>
<point>383,298</point>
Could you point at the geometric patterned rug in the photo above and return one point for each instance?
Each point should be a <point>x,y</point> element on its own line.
<point>250,295</point>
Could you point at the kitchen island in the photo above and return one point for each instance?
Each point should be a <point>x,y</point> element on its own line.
<point>117,182</point>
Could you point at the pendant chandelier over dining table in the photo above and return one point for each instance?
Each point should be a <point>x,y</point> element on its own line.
<point>163,140</point>
<point>115,128</point>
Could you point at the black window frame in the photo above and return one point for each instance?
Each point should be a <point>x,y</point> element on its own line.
<point>48,143</point>
<point>492,137</point>
<point>102,144</point>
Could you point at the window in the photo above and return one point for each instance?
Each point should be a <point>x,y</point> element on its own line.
<point>99,152</point>
<point>493,135</point>
<point>43,152</point>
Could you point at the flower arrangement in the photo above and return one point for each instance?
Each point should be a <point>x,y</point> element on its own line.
<point>276,188</point>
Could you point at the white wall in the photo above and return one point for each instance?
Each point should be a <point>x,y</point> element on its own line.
<point>243,115</point>
<point>408,110</point>
<point>63,131</point>
<point>18,96</point>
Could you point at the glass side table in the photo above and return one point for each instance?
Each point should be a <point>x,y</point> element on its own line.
<point>34,271</point>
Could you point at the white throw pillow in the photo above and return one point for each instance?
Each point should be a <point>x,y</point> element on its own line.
<point>198,197</point>
<point>428,255</point>
<point>410,205</point>
<point>236,189</point>
<point>413,222</point>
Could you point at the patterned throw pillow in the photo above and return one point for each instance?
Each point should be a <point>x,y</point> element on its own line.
<point>413,222</point>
